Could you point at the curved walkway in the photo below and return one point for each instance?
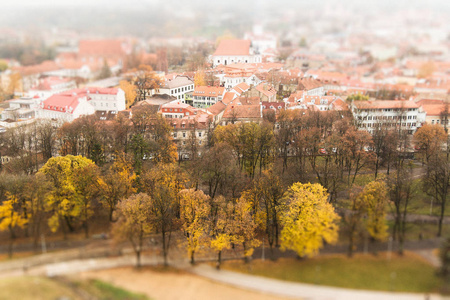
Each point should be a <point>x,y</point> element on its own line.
<point>249,282</point>
<point>299,290</point>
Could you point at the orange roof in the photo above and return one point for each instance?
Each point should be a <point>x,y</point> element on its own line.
<point>233,47</point>
<point>266,89</point>
<point>211,91</point>
<point>100,48</point>
<point>295,96</point>
<point>380,104</point>
<point>45,66</point>
<point>247,100</point>
<point>243,111</point>
<point>430,101</point>
<point>241,87</point>
<point>217,108</point>
<point>309,84</point>
<point>433,109</point>
<point>228,97</point>
<point>48,83</point>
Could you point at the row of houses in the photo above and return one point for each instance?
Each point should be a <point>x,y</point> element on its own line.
<point>65,106</point>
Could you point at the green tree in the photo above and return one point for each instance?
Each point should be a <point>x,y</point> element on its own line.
<point>105,71</point>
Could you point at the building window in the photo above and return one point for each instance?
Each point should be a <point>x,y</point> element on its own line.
<point>184,134</point>
<point>199,134</point>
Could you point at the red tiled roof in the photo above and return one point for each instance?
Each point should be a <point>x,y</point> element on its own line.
<point>379,104</point>
<point>93,90</point>
<point>266,89</point>
<point>217,108</point>
<point>247,100</point>
<point>228,97</point>
<point>100,48</point>
<point>243,112</point>
<point>210,91</point>
<point>233,47</point>
<point>433,109</point>
<point>68,100</point>
<point>62,102</point>
<point>48,83</point>
<point>45,66</point>
<point>309,84</point>
<point>241,87</point>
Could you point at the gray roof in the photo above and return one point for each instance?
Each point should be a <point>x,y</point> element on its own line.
<point>178,81</point>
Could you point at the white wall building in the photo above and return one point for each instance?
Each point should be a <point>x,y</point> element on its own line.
<point>234,51</point>
<point>66,107</point>
<point>178,87</point>
<point>406,115</point>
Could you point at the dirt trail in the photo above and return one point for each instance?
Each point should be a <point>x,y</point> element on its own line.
<point>173,285</point>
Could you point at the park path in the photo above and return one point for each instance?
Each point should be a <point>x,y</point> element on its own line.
<point>267,286</point>
<point>299,290</point>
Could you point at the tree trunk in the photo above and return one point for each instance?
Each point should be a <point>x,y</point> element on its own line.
<point>138,259</point>
<point>192,258</point>
<point>219,260</point>
<point>441,218</point>
<point>164,247</point>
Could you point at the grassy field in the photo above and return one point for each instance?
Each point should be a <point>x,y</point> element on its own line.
<point>105,291</point>
<point>408,273</point>
<point>37,288</point>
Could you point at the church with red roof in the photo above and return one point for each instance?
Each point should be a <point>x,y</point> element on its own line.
<point>231,51</point>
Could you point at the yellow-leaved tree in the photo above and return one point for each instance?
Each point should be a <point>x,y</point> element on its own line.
<point>374,200</point>
<point>199,78</point>
<point>308,219</point>
<point>11,217</point>
<point>163,183</point>
<point>64,202</point>
<point>244,227</point>
<point>133,222</point>
<point>194,211</point>
<point>130,92</point>
<point>117,184</point>
<point>220,227</point>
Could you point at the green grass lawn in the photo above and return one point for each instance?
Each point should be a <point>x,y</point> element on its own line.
<point>105,291</point>
<point>408,273</point>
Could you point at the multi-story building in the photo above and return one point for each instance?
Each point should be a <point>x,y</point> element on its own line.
<point>234,51</point>
<point>205,96</point>
<point>66,107</point>
<point>401,114</point>
<point>178,87</point>
<point>72,104</point>
<point>177,110</point>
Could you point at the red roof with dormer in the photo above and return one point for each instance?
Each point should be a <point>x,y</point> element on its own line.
<point>63,102</point>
